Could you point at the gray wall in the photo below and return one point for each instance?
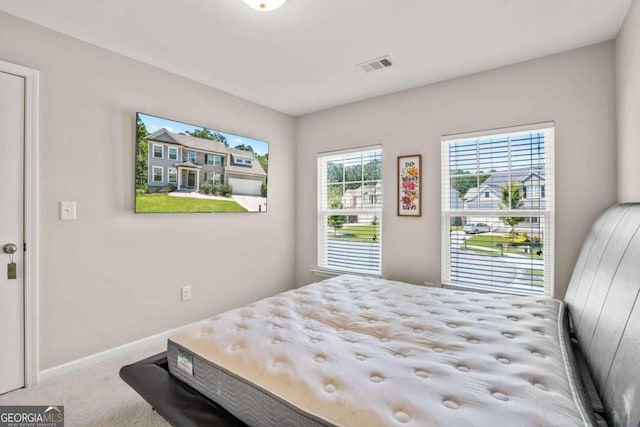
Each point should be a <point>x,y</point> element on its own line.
<point>628,106</point>
<point>113,277</point>
<point>575,89</point>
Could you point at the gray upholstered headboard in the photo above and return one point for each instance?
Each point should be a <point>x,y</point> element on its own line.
<point>604,306</point>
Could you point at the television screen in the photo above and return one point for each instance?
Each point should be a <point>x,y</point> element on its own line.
<point>186,168</point>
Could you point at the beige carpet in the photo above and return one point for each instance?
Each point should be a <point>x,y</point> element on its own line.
<point>94,396</point>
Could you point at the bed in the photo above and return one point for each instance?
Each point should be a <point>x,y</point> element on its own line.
<point>358,351</point>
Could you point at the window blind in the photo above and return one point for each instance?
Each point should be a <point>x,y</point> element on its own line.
<point>498,209</point>
<point>350,210</point>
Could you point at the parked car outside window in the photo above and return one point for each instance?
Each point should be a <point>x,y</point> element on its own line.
<point>477,227</point>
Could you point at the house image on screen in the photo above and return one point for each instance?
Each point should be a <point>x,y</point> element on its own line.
<point>187,162</point>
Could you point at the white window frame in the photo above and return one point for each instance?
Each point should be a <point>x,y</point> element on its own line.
<point>161,156</point>
<point>153,174</point>
<point>169,153</point>
<point>547,213</point>
<point>175,171</point>
<point>324,211</point>
<point>214,160</point>
<point>195,156</point>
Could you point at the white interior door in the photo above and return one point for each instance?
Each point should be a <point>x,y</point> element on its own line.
<point>11,231</point>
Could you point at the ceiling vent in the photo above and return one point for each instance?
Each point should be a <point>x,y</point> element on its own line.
<point>376,64</point>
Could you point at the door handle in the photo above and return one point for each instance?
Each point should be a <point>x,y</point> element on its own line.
<point>9,248</point>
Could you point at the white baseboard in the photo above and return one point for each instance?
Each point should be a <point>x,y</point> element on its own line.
<point>67,368</point>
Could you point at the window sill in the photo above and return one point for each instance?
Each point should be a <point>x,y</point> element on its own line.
<point>489,290</point>
<point>326,273</point>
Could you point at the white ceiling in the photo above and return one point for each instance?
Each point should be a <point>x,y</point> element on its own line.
<point>302,58</point>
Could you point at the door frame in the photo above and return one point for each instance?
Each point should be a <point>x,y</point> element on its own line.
<point>31,95</point>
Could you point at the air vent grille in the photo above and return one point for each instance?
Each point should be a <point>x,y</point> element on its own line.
<point>376,64</point>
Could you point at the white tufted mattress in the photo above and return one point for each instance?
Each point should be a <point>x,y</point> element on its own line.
<point>354,351</point>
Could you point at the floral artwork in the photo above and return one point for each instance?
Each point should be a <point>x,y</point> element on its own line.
<point>409,189</point>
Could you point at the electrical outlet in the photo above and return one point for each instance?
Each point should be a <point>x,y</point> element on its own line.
<point>186,293</point>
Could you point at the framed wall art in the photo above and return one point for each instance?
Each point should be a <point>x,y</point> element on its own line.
<point>410,185</point>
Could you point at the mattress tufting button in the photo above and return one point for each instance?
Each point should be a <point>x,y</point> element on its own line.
<point>508,335</point>
<point>384,339</point>
<point>538,332</point>
<point>329,388</point>
<point>500,396</point>
<point>473,340</point>
<point>450,404</point>
<point>313,340</point>
<point>376,378</point>
<point>512,318</point>
<point>538,354</point>
<point>320,358</point>
<point>401,417</point>
<point>399,355</point>
<point>275,341</point>
<point>516,306</point>
<point>462,368</point>
<point>361,357</point>
<point>421,373</point>
<point>538,316</point>
<point>438,349</point>
<point>418,330</point>
<point>372,320</point>
<point>453,325</point>
<point>504,360</point>
<point>540,386</point>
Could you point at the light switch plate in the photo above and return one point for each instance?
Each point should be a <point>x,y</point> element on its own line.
<point>67,211</point>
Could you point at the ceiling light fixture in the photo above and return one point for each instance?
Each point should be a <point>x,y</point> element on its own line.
<point>265,5</point>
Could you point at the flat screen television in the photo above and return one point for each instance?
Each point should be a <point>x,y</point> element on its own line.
<point>181,167</point>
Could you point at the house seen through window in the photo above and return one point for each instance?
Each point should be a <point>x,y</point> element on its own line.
<point>504,240</point>
<point>350,210</point>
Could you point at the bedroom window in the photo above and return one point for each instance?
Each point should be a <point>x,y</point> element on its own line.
<point>173,153</point>
<point>350,211</point>
<point>503,243</point>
